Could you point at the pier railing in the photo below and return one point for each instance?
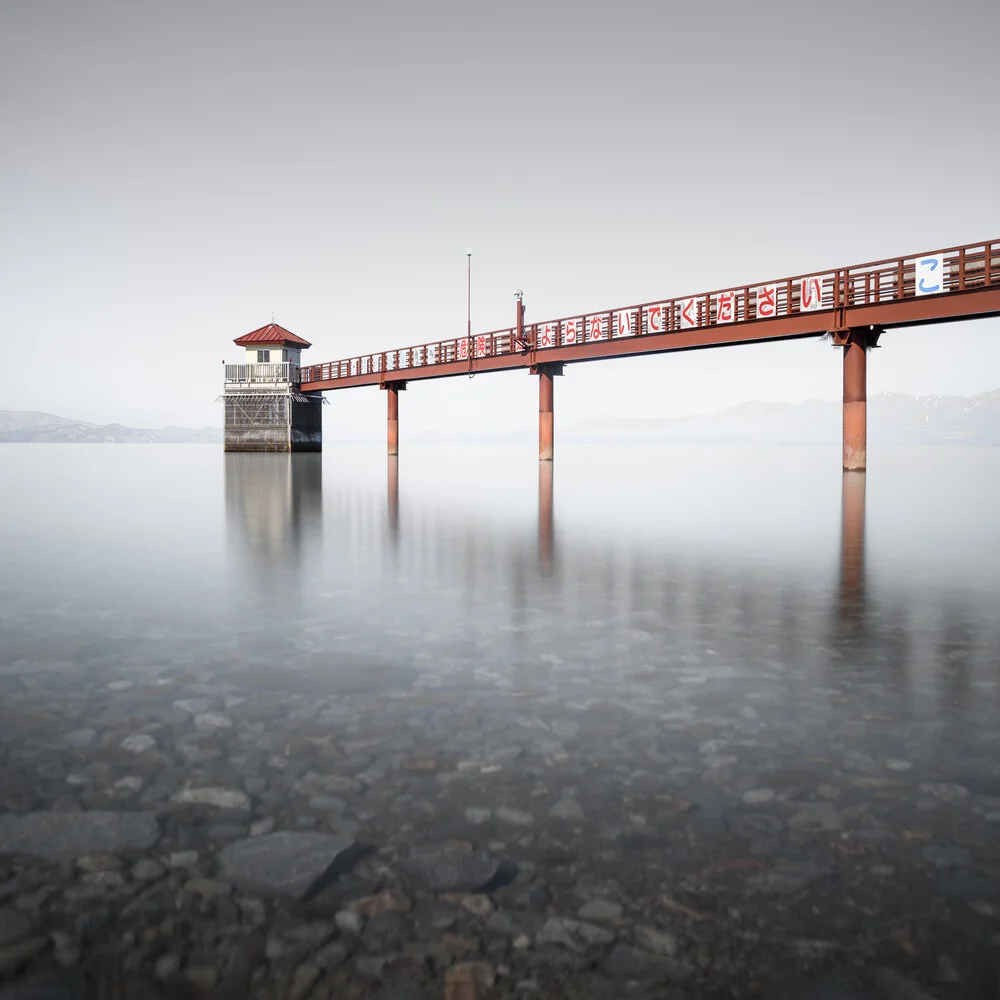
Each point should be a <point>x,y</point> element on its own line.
<point>279,372</point>
<point>817,302</point>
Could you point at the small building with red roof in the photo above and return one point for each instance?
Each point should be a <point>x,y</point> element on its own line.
<point>265,409</point>
<point>272,344</point>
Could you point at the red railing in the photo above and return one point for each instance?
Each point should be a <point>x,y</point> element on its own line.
<point>941,272</point>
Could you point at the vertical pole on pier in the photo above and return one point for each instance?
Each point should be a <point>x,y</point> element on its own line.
<point>545,425</point>
<point>855,401</point>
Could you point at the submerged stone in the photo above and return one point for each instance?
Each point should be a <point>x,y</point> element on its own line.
<point>221,798</point>
<point>450,869</point>
<point>65,836</point>
<point>285,863</point>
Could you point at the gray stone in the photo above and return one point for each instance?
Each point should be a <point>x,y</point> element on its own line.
<point>221,798</point>
<point>945,855</point>
<point>655,940</point>
<point>944,791</point>
<point>285,863</point>
<point>65,836</point>
<point>573,934</point>
<point>449,869</point>
<point>331,955</point>
<point>568,809</point>
<point>167,966</point>
<point>565,728</point>
<point>516,817</point>
<point>13,954</point>
<point>349,921</point>
<point>600,909</point>
<point>522,896</point>
<point>303,980</point>
<point>212,720</point>
<point>632,963</point>
<point>13,925</point>
<point>382,931</point>
<point>833,989</point>
<point>312,934</point>
<point>946,971</point>
<point>182,859</point>
<point>193,706</point>
<point>967,885</point>
<point>758,796</point>
<point>477,905</point>
<point>80,737</point>
<point>138,743</point>
<point>92,921</point>
<point>784,879</point>
<point>814,949</point>
<point>47,985</point>
<point>896,987</point>
<point>477,816</point>
<point>515,923</point>
<point>816,818</point>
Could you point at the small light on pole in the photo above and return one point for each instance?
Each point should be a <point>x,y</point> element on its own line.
<point>468,307</point>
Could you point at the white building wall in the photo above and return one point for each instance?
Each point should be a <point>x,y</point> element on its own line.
<point>278,354</point>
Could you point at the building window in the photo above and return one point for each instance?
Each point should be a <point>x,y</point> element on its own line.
<point>263,357</point>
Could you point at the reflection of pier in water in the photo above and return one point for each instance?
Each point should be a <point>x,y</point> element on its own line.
<point>743,609</point>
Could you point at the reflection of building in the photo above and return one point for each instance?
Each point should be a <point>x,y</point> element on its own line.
<point>274,505</point>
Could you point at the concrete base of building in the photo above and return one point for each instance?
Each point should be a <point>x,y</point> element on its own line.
<point>269,422</point>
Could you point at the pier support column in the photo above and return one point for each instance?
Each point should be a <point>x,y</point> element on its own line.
<point>392,390</point>
<point>546,374</point>
<point>545,417</point>
<point>855,401</point>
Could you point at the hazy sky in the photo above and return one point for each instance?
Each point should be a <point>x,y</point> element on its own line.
<point>174,172</point>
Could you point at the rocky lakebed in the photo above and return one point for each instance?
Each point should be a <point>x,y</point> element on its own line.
<point>229,831</point>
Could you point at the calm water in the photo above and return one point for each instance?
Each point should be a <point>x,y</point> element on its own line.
<point>731,659</point>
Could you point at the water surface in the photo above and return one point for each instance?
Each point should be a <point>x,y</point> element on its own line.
<point>769,692</point>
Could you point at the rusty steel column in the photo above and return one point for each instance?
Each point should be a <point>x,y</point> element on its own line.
<point>392,390</point>
<point>855,402</point>
<point>545,425</point>
<point>545,518</point>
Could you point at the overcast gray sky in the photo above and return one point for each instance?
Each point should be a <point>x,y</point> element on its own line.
<point>174,172</point>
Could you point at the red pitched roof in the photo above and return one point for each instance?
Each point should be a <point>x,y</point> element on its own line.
<point>271,334</point>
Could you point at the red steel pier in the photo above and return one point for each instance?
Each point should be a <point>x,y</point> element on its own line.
<point>852,305</point>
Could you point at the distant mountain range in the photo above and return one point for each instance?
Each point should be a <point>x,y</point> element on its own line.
<point>893,419</point>
<point>32,427</point>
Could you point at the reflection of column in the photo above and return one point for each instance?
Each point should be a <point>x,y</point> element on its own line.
<point>392,469</point>
<point>852,547</point>
<point>545,518</point>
